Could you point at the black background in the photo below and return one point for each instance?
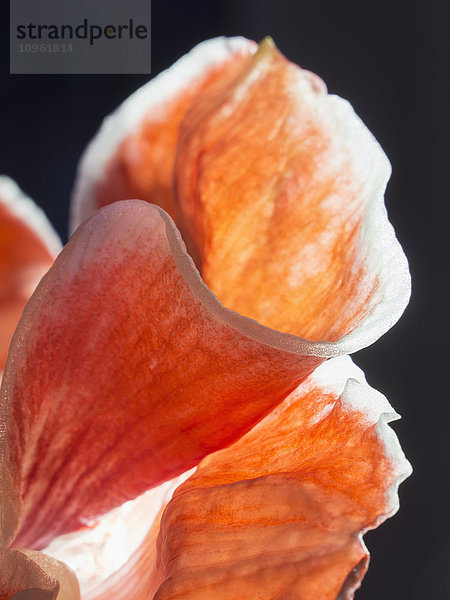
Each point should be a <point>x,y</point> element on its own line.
<point>391,62</point>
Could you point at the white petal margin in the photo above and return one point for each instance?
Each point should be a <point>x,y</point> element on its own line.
<point>353,148</point>
<point>128,117</point>
<point>380,248</point>
<point>341,376</point>
<point>24,209</point>
<point>97,553</point>
<point>344,377</point>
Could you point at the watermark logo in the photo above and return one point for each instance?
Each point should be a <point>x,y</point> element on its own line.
<point>87,36</point>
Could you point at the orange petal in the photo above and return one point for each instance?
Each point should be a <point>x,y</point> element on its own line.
<point>281,512</point>
<point>133,154</point>
<point>126,371</point>
<point>31,575</point>
<point>280,191</point>
<point>28,247</point>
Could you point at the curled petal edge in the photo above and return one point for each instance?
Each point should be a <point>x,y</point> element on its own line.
<point>383,254</point>
<point>183,566</point>
<point>143,574</point>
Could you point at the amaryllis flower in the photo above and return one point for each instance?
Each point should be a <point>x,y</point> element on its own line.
<point>191,428</point>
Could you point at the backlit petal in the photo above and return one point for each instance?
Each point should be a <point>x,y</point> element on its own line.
<point>280,513</point>
<point>28,247</point>
<point>116,558</point>
<point>137,579</point>
<point>133,154</point>
<point>126,371</point>
<point>280,191</point>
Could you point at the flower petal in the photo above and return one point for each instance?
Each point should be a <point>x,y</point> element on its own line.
<point>126,371</point>
<point>28,247</point>
<point>137,579</point>
<point>281,512</point>
<point>116,557</point>
<point>31,575</point>
<point>280,192</point>
<point>133,154</point>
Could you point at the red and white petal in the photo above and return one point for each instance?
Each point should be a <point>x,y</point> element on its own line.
<point>126,371</point>
<point>31,575</point>
<point>281,512</point>
<point>116,557</point>
<point>279,188</point>
<point>28,247</point>
<point>133,154</point>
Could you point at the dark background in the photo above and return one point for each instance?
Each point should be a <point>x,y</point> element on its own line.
<point>391,62</point>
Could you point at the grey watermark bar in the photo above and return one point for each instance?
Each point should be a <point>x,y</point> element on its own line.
<point>86,36</point>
